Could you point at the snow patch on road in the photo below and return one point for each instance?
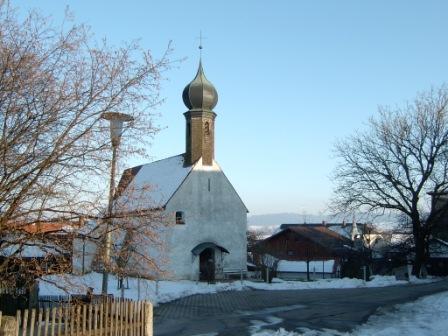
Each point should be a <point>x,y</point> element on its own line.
<point>258,325</point>
<point>271,310</point>
<point>425,317</point>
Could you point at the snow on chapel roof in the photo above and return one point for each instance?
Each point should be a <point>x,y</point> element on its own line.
<point>155,182</point>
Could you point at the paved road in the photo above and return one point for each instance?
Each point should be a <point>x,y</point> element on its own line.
<point>238,313</point>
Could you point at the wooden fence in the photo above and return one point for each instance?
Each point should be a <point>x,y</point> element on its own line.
<point>111,318</point>
<point>52,301</point>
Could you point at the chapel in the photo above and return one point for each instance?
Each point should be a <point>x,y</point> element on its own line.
<point>207,238</point>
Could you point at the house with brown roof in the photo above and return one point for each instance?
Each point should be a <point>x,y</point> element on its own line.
<point>312,244</point>
<point>30,250</point>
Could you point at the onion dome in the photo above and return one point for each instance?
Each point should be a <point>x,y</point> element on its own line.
<point>200,93</point>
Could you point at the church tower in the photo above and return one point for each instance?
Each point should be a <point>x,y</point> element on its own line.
<point>200,97</point>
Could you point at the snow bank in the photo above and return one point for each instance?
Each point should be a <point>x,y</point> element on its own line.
<point>154,291</point>
<point>377,281</point>
<point>164,291</point>
<point>426,316</point>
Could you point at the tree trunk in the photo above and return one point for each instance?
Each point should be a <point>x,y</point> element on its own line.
<point>419,260</point>
<point>420,247</point>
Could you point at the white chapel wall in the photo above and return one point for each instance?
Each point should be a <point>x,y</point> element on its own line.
<point>213,213</point>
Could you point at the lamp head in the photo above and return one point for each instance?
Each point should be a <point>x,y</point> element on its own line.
<point>116,125</point>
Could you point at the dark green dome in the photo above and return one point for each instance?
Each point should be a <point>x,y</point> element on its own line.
<point>200,93</point>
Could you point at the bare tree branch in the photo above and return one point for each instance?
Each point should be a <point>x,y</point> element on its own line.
<point>55,149</point>
<point>397,163</point>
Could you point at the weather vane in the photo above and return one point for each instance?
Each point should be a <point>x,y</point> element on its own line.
<point>200,43</point>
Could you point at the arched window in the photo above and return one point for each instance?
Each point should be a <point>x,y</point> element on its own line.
<point>207,128</point>
<point>188,130</point>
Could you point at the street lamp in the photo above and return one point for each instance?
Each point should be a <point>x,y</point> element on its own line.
<point>116,120</point>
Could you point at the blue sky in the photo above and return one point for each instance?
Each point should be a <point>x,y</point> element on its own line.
<point>292,78</point>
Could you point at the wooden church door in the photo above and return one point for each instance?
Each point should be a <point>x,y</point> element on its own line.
<point>207,265</point>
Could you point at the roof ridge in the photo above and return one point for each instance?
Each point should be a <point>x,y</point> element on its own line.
<point>169,157</point>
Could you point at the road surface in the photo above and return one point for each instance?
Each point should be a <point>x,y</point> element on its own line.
<point>242,312</point>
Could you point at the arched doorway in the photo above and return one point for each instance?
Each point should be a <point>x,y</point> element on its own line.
<point>209,253</point>
<point>207,265</point>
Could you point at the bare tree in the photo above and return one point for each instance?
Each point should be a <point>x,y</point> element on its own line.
<point>259,253</point>
<point>396,164</point>
<point>55,83</point>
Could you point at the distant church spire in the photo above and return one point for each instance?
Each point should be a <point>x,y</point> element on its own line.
<point>200,97</point>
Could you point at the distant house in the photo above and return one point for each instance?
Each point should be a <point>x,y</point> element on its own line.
<point>438,257</point>
<point>307,243</point>
<point>29,251</point>
<point>440,203</point>
<point>395,249</point>
<point>352,231</point>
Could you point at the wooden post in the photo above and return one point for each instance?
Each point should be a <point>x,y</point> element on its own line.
<point>39,318</point>
<point>53,320</point>
<point>121,317</point>
<point>47,321</point>
<point>8,326</point>
<point>148,319</point>
<point>131,318</point>
<point>117,318</point>
<point>112,318</point>
<point>60,319</point>
<point>95,320</point>
<point>136,314</point>
<point>128,312</point>
<point>100,330</point>
<point>72,320</point>
<point>18,316</point>
<point>139,329</point>
<point>32,321</point>
<point>106,316</point>
<point>25,322</point>
<point>77,320</point>
<point>89,319</point>
<point>66,320</point>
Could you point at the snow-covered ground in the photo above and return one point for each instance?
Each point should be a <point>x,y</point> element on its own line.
<point>154,291</point>
<point>425,317</point>
<point>377,281</point>
<point>164,291</point>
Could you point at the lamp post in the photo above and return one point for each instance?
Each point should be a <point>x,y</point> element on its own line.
<point>116,120</point>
